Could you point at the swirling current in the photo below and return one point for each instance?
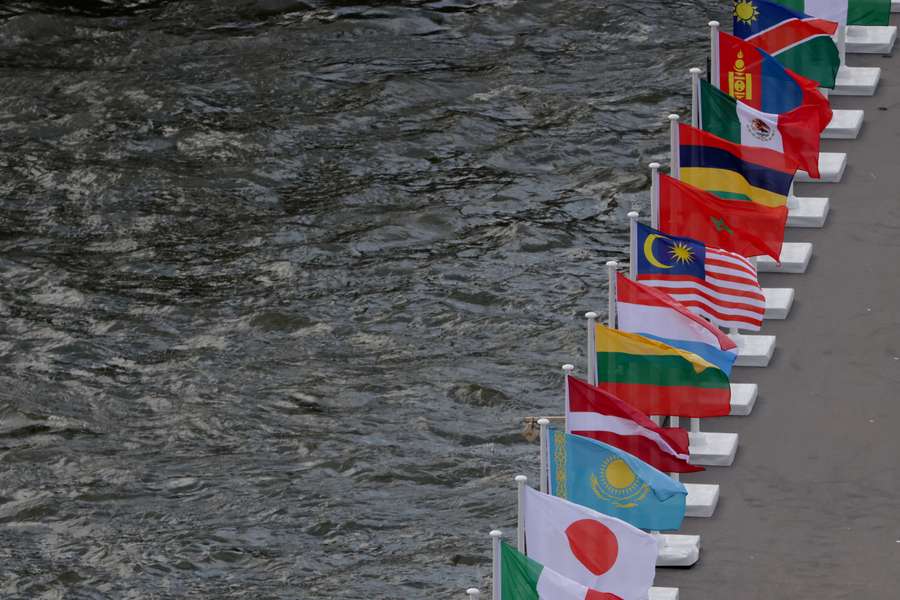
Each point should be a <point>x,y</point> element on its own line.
<point>280,278</point>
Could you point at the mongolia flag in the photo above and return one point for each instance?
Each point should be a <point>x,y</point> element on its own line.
<point>794,133</point>
<point>602,477</point>
<point>733,171</point>
<point>801,43</point>
<point>588,547</point>
<point>595,413</point>
<point>658,379</point>
<point>719,285</point>
<point>522,577</point>
<point>845,12</point>
<point>748,228</point>
<point>758,80</point>
<point>654,314</point>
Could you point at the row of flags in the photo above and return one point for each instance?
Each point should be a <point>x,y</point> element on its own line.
<point>756,123</point>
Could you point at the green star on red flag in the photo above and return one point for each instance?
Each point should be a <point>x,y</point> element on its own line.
<point>721,225</point>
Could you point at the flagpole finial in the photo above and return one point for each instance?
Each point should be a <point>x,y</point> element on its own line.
<point>543,421</point>
<point>589,315</point>
<point>713,23</point>
<point>674,117</point>
<point>695,70</point>
<point>612,263</point>
<point>473,593</point>
<point>633,214</point>
<point>521,479</point>
<point>653,165</point>
<point>496,533</point>
<point>568,368</point>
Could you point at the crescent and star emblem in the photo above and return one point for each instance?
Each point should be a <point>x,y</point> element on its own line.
<point>648,251</point>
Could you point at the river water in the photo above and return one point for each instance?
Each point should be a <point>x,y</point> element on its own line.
<point>279,279</point>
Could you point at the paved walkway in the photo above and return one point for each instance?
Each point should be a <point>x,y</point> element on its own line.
<point>811,507</point>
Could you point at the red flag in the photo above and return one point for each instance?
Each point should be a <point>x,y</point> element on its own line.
<point>747,228</point>
<point>597,414</point>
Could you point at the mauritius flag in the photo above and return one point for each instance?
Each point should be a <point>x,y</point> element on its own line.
<point>845,12</point>
<point>748,228</point>
<point>733,171</point>
<point>658,379</point>
<point>758,80</point>
<point>801,43</point>
<point>522,578</point>
<point>794,133</point>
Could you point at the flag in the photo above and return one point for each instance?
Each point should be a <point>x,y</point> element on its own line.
<point>596,550</point>
<point>854,12</point>
<point>733,171</point>
<point>801,43</point>
<point>597,414</point>
<point>758,80</point>
<point>794,133</point>
<point>719,285</point>
<point>654,314</point>
<point>608,480</point>
<point>522,578</point>
<point>658,379</point>
<point>748,228</point>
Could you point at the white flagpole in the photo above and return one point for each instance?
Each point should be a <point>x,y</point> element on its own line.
<point>613,292</point>
<point>520,521</point>
<point>496,534</point>
<point>714,53</point>
<point>473,593</point>
<point>543,423</point>
<point>842,42</point>
<point>654,192</point>
<point>695,96</point>
<point>632,245</point>
<point>591,347</point>
<point>674,142</point>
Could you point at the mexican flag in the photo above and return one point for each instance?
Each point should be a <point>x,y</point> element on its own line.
<point>845,12</point>
<point>524,579</point>
<point>794,133</point>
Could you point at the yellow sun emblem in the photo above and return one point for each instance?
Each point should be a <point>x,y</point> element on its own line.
<point>745,11</point>
<point>682,253</point>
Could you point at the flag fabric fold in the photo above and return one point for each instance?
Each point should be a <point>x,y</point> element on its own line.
<point>798,41</point>
<point>613,482</point>
<point>595,413</point>
<point>716,284</point>
<point>522,578</point>
<point>659,379</point>
<point>793,133</point>
<point>747,228</point>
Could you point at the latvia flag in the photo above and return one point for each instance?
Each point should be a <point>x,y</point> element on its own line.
<point>599,415</point>
<point>588,547</point>
<point>522,577</point>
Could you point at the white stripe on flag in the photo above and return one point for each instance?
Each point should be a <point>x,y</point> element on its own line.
<point>592,421</point>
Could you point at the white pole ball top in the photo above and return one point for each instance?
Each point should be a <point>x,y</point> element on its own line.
<point>590,315</point>
<point>543,421</point>
<point>473,592</point>
<point>713,23</point>
<point>674,117</point>
<point>521,479</point>
<point>612,263</point>
<point>695,70</point>
<point>496,533</point>
<point>568,367</point>
<point>653,165</point>
<point>633,214</point>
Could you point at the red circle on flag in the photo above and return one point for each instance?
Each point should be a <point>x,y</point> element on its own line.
<point>595,595</point>
<point>593,544</point>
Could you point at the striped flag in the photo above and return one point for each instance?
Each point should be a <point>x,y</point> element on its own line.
<point>721,286</point>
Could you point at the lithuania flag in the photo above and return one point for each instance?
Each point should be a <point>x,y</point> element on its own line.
<point>522,578</point>
<point>845,12</point>
<point>658,379</point>
<point>801,43</point>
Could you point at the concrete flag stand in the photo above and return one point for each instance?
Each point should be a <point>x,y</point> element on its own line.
<point>854,81</point>
<point>870,39</point>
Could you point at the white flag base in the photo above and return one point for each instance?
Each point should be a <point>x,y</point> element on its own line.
<point>701,500</point>
<point>856,81</point>
<point>753,350</point>
<point>661,593</point>
<point>831,169</point>
<point>794,259</point>
<point>712,449</point>
<point>807,212</point>
<point>743,398</point>
<point>870,39</point>
<point>677,550</point>
<point>778,302</point>
<point>844,125</point>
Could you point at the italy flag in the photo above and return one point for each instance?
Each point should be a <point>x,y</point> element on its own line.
<point>525,579</point>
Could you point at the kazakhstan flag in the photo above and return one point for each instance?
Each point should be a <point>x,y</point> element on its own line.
<point>611,481</point>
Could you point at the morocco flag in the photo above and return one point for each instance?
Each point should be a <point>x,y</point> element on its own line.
<point>748,228</point>
<point>595,413</point>
<point>801,43</point>
<point>845,12</point>
<point>588,547</point>
<point>524,579</point>
<point>794,133</point>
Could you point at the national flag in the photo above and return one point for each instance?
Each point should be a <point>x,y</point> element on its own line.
<point>595,413</point>
<point>758,80</point>
<point>654,314</point>
<point>614,482</point>
<point>793,133</point>
<point>748,228</point>
<point>522,578</point>
<point>713,283</point>
<point>658,379</point>
<point>852,12</point>
<point>596,550</point>
<point>798,41</point>
<point>733,171</point>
